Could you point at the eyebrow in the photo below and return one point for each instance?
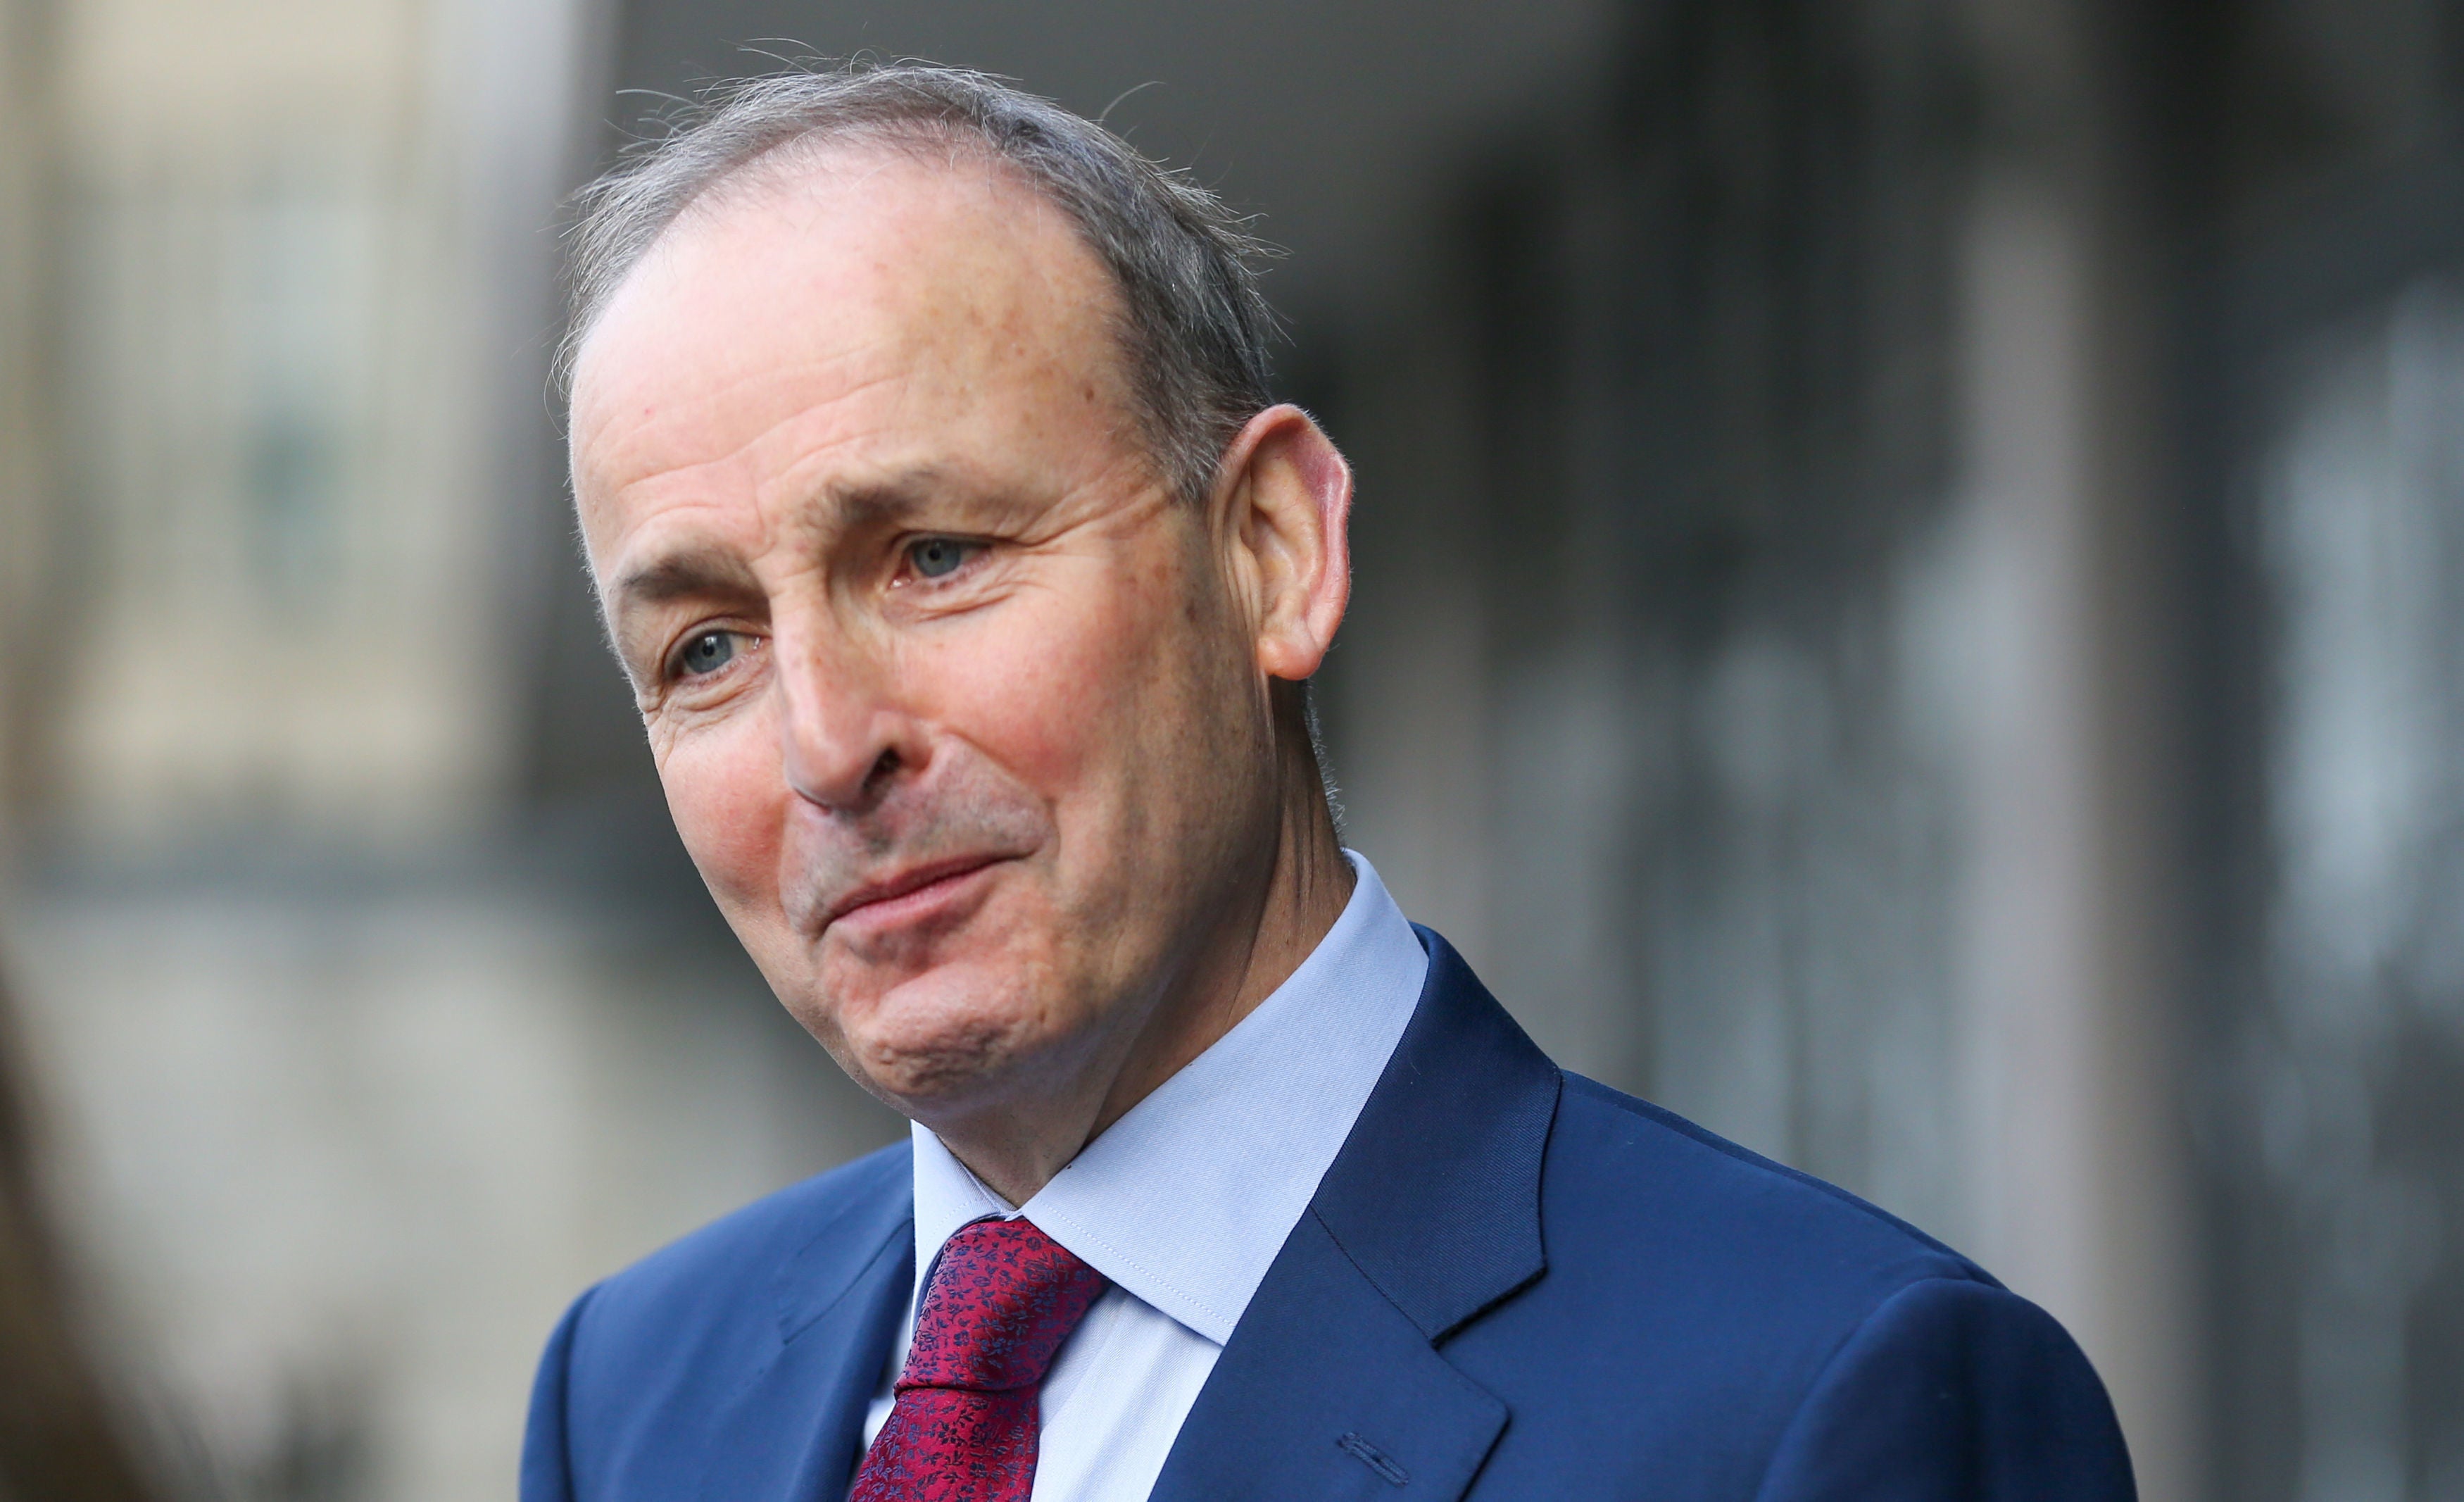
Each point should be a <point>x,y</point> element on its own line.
<point>878,503</point>
<point>687,575</point>
<point>696,573</point>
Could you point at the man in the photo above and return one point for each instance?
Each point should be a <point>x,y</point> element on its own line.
<point>968,577</point>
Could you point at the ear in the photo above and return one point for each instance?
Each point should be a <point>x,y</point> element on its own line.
<point>1284,510</point>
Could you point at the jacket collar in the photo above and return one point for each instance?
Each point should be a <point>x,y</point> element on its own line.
<point>1333,1378</point>
<point>1437,1192</point>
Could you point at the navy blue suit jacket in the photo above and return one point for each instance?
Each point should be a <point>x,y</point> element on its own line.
<point>1514,1283</point>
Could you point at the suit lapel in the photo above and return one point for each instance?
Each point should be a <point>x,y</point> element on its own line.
<point>1328,1391</point>
<point>1334,1384</point>
<point>795,1428</point>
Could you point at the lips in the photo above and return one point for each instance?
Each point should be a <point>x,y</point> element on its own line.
<point>909,888</point>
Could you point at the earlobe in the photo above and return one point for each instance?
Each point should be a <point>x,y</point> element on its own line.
<point>1293,491</point>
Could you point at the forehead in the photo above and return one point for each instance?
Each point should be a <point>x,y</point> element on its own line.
<point>855,286</point>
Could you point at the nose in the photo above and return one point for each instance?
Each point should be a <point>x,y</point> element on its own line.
<point>847,739</point>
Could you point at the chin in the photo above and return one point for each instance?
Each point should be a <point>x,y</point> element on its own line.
<point>957,1034</point>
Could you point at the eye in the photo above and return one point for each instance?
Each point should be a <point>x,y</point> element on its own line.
<point>706,652</point>
<point>938,556</point>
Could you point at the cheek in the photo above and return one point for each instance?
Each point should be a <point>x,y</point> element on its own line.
<point>1058,688</point>
<point>728,795</point>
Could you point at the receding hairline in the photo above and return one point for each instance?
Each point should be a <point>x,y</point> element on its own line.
<point>1195,325</point>
<point>1108,365</point>
<point>778,166</point>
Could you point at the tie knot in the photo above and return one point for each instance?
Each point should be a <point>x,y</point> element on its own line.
<point>1002,1298</point>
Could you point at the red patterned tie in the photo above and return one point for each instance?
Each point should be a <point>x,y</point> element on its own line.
<point>1001,1299</point>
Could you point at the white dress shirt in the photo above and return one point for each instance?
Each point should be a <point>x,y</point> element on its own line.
<point>1186,1200</point>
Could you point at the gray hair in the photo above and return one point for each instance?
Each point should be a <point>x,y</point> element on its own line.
<point>1195,328</point>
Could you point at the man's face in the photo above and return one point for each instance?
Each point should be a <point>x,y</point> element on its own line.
<point>957,710</point>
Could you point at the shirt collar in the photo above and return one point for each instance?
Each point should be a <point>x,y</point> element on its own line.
<point>1186,1200</point>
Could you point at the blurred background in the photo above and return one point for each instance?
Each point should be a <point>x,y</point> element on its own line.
<point>1910,606</point>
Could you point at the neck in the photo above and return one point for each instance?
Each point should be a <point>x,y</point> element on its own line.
<point>1306,885</point>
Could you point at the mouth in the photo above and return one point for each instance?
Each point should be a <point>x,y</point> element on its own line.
<point>909,895</point>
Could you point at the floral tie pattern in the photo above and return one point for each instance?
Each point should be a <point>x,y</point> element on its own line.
<point>1001,1299</point>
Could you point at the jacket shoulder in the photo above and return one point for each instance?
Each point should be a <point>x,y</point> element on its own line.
<point>1621,1149</point>
<point>1709,1290</point>
<point>1954,1390</point>
<point>1663,1237</point>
